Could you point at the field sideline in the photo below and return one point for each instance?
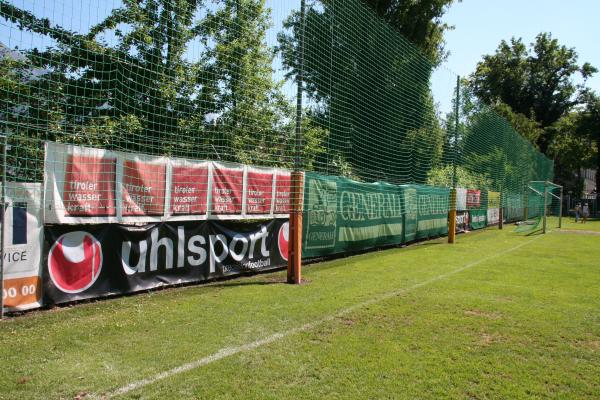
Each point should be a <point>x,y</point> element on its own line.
<point>498,315</point>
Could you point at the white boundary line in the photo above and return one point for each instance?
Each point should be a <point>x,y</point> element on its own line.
<point>229,351</point>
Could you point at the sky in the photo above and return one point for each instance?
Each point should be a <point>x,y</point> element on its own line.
<point>480,25</point>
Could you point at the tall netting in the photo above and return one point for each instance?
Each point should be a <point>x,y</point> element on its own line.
<point>145,130</point>
<point>215,80</point>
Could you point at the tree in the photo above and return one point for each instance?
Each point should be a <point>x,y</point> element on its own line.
<point>589,129</point>
<point>575,148</point>
<point>369,87</point>
<point>538,83</point>
<point>141,91</point>
<point>419,21</point>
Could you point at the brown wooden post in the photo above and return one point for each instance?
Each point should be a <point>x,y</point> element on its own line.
<point>294,271</point>
<point>452,217</point>
<point>501,212</point>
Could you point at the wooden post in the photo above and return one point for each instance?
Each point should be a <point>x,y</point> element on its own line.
<point>294,271</point>
<point>501,213</point>
<point>452,218</point>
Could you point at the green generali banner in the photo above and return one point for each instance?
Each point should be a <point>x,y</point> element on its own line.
<point>344,215</point>
<point>432,215</point>
<point>478,218</point>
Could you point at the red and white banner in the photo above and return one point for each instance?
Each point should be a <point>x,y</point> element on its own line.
<point>473,198</point>
<point>84,185</point>
<point>227,189</point>
<point>259,191</point>
<point>189,188</point>
<point>283,189</point>
<point>143,186</point>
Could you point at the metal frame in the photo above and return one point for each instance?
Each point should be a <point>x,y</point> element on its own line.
<point>545,194</point>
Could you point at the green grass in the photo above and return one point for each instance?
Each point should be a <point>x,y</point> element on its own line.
<point>592,224</point>
<point>480,319</point>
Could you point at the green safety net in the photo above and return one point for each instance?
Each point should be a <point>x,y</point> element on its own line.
<point>543,203</point>
<point>216,80</point>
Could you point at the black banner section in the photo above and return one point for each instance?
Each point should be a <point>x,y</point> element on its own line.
<point>89,261</point>
<point>462,221</point>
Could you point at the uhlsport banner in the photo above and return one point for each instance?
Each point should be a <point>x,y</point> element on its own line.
<point>89,186</point>
<point>89,261</point>
<point>23,234</point>
<point>462,221</point>
<point>344,216</point>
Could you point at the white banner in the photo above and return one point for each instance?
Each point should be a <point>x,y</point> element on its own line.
<point>23,235</point>
<point>493,216</point>
<point>86,185</point>
<point>461,199</point>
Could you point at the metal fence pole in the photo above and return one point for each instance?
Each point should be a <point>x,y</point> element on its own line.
<point>545,204</point>
<point>560,209</point>
<point>452,214</point>
<point>294,272</point>
<point>2,238</point>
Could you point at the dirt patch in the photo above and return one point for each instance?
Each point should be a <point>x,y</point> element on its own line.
<point>484,314</point>
<point>23,380</point>
<point>347,321</point>
<point>488,339</point>
<point>593,345</point>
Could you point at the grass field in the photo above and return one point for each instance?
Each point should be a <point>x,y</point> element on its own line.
<point>498,315</point>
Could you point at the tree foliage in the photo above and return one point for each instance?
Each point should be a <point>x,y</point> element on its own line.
<point>538,82</point>
<point>141,91</point>
<point>369,87</point>
<point>420,21</point>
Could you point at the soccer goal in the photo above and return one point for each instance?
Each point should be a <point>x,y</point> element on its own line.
<point>543,207</point>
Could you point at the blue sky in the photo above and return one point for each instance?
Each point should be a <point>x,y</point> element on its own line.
<point>480,25</point>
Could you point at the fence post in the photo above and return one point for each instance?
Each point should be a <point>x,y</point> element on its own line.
<point>452,217</point>
<point>501,212</point>
<point>560,209</point>
<point>294,272</point>
<point>2,237</point>
<point>526,205</point>
<point>452,214</point>
<point>545,204</point>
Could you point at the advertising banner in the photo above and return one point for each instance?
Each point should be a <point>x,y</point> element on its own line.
<point>282,192</point>
<point>433,211</point>
<point>473,198</point>
<point>91,186</point>
<point>461,199</point>
<point>189,188</point>
<point>343,215</point>
<point>89,261</point>
<point>478,219</point>
<point>493,208</point>
<point>411,212</point>
<point>462,221</point>
<point>143,186</point>
<point>227,189</point>
<point>259,191</point>
<point>23,233</point>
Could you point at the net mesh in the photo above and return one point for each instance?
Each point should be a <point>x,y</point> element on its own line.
<point>215,80</point>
